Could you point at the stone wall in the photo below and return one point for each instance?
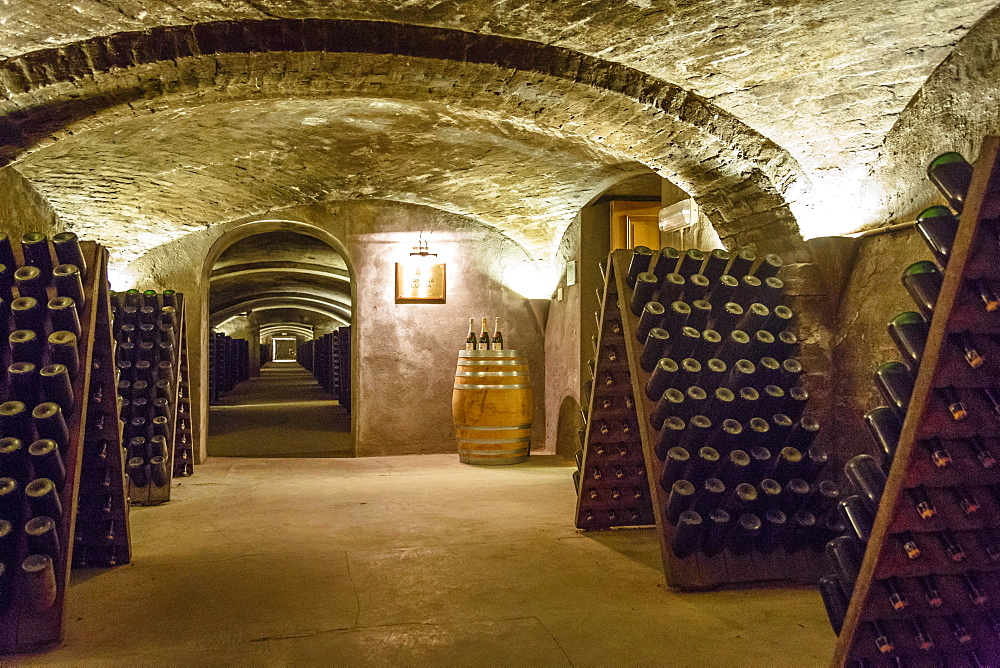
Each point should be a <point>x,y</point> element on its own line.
<point>404,354</point>
<point>22,208</point>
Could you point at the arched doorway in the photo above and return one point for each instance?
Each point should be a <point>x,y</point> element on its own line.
<point>279,289</point>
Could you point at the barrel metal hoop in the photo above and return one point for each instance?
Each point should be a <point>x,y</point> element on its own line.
<point>490,374</point>
<point>492,454</point>
<point>493,441</point>
<point>492,363</point>
<point>488,353</point>
<point>492,387</point>
<point>469,427</point>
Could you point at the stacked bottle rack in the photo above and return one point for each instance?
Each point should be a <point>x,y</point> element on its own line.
<point>102,526</point>
<point>329,360</point>
<point>50,357</point>
<point>149,332</point>
<point>926,590</point>
<point>735,482</point>
<point>229,364</point>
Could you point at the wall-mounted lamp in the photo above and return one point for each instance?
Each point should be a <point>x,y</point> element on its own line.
<point>420,278</point>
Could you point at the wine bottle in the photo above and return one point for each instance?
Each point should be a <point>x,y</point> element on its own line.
<point>835,600</point>
<point>697,431</point>
<point>794,495</point>
<point>798,397</point>
<point>987,294</point>
<point>768,490</point>
<point>923,281</point>
<point>681,496</point>
<point>639,263</point>
<point>696,287</point>
<point>895,382</point>
<point>63,315</point>
<point>484,338</point>
<point>63,349</point>
<point>721,403</point>
<point>674,466</point>
<point>723,290</point>
<point>741,374</point>
<point>744,534</point>
<point>928,584</point>
<point>747,404</point>
<point>885,426</point>
<point>953,402</point>
<point>938,227</point>
<point>789,461</point>
<point>908,544</point>
<point>25,346</point>
<point>685,342</point>
<point>652,352</point>
<point>857,515</point>
<point>726,318</point>
<point>742,262</point>
<point>670,434</point>
<point>701,313</point>
<point>908,331</point>
<point>921,638</point>
<point>69,282</point>
<point>772,292</point>
<point>735,467</point>
<point>666,262</point>
<point>701,466</point>
<point>652,316</point>
<point>49,422</point>
<point>921,502</point>
<point>43,498</point>
<point>952,175</point>
<point>645,290</point>
<point>38,582</point>
<point>761,344</point>
<point>973,588</point>
<point>714,534</point>
<point>675,317</point>
<point>781,318</point>
<point>690,262</point>
<point>774,524</point>
<point>735,346</point>
<point>716,264</point>
<point>966,342</point>
<point>803,527</point>
<point>939,454</point>
<point>664,377</point>
<point>46,462</point>
<point>43,536</point>
<point>966,500</point>
<point>952,548</point>
<point>978,447</point>
<point>68,251</point>
<point>713,374</point>
<point>497,343</point>
<point>30,283</point>
<point>867,478</point>
<point>845,553</point>
<point>747,291</point>
<point>35,248</point>
<point>672,288</point>
<point>755,317</point>
<point>958,630</point>
<point>825,496</point>
<point>803,433</point>
<point>137,472</point>
<point>687,535</point>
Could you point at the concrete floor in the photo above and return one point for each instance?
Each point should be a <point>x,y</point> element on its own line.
<point>413,560</point>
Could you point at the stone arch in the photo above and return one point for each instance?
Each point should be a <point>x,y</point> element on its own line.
<point>745,182</point>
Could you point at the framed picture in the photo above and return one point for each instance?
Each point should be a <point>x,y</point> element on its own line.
<point>420,281</point>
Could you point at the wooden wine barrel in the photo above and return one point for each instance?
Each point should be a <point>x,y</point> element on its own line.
<point>491,404</point>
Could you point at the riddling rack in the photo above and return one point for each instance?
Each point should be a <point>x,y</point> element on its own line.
<point>612,490</point>
<point>60,289</point>
<point>184,428</point>
<point>927,588</point>
<point>102,526</point>
<point>734,479</point>
<point>149,329</point>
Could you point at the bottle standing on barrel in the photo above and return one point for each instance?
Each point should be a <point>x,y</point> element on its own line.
<point>470,341</point>
<point>484,338</point>
<point>497,336</point>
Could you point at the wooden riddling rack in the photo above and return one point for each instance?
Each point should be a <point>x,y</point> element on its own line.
<point>229,364</point>
<point>32,602</point>
<point>612,488</point>
<point>184,428</point>
<point>102,526</point>
<point>149,331</point>
<point>697,571</point>
<point>957,309</point>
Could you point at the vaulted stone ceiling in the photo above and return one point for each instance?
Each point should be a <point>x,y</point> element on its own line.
<point>285,277</point>
<point>798,97</point>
